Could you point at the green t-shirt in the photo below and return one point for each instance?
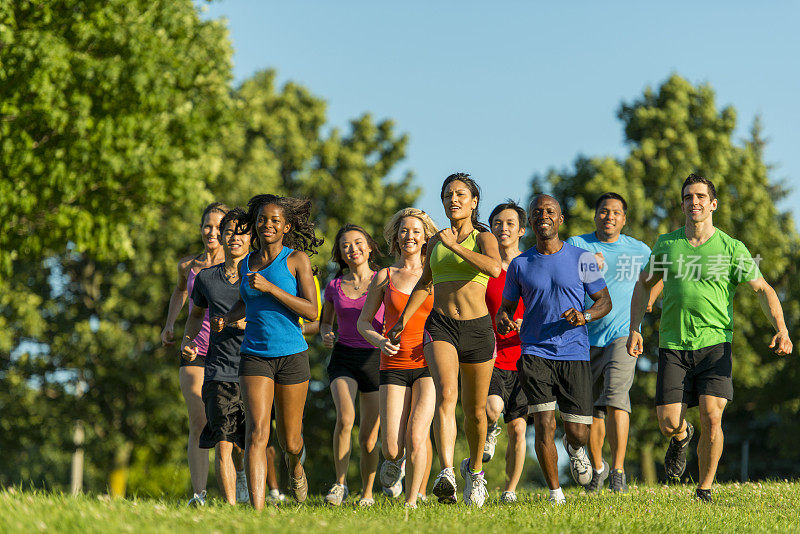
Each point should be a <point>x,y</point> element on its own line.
<point>699,284</point>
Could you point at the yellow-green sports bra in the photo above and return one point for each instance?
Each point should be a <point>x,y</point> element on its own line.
<point>447,266</point>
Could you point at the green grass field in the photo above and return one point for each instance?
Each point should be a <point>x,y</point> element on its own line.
<point>752,507</point>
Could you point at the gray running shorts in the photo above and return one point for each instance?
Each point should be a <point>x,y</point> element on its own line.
<point>612,376</point>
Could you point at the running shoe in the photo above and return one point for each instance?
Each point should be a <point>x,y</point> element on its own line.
<point>596,485</point>
<point>475,485</point>
<point>275,496</point>
<point>444,487</point>
<point>491,441</point>
<point>619,483</point>
<point>410,506</point>
<point>393,491</point>
<point>675,459</point>
<point>337,494</point>
<point>366,502</point>
<point>508,497</point>
<point>422,498</point>
<point>241,487</point>
<point>579,465</point>
<point>299,487</point>
<point>198,500</point>
<point>393,472</point>
<point>557,500</point>
<point>703,495</point>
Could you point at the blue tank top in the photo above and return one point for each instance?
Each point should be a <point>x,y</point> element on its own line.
<point>272,329</point>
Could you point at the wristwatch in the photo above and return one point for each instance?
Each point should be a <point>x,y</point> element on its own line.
<point>587,316</point>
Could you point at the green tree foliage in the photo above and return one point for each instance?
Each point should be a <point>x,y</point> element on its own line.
<point>118,124</point>
<point>672,132</point>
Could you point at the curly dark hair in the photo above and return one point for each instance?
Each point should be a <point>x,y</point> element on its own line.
<point>296,211</point>
<point>336,254</point>
<point>467,180</point>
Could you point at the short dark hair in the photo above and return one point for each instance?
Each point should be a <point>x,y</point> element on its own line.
<point>697,179</point>
<point>508,205</point>
<point>236,216</point>
<point>610,196</point>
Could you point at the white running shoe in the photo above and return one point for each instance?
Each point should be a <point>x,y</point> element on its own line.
<point>198,500</point>
<point>275,496</point>
<point>337,494</point>
<point>241,487</point>
<point>557,500</point>
<point>395,490</point>
<point>445,486</point>
<point>393,472</point>
<point>508,497</point>
<point>475,485</point>
<point>491,441</point>
<point>580,467</point>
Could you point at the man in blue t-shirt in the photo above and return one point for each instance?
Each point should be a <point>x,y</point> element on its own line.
<point>553,278</point>
<point>621,258</point>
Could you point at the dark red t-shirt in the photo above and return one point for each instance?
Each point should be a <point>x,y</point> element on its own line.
<point>508,346</point>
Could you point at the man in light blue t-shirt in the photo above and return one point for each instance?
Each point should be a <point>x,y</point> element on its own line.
<point>621,258</point>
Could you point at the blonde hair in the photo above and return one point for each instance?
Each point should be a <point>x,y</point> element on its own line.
<point>393,227</point>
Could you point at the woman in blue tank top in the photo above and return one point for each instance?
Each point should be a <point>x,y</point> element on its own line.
<point>277,289</point>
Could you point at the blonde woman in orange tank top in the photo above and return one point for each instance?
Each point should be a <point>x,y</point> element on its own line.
<point>407,392</point>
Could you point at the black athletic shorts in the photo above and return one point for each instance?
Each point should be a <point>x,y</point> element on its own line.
<point>360,364</point>
<point>507,385</point>
<point>566,382</point>
<point>199,361</point>
<point>284,370</point>
<point>684,375</point>
<point>403,377</point>
<point>472,338</point>
<point>224,414</point>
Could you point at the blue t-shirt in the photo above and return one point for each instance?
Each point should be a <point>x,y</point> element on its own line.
<point>271,330</point>
<point>549,285</point>
<point>624,259</point>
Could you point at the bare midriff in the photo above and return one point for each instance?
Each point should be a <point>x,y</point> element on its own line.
<point>460,299</point>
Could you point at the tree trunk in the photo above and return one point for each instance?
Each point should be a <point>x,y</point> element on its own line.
<point>118,479</point>
<point>648,464</point>
<point>76,479</point>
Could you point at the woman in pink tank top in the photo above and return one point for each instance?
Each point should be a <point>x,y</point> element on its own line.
<point>191,373</point>
<point>354,364</point>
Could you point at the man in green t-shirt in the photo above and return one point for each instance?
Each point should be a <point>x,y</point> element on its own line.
<point>701,267</point>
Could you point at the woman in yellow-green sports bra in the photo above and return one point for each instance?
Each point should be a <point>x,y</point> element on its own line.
<point>458,332</point>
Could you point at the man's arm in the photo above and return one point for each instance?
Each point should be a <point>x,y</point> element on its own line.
<point>771,306</point>
<point>639,302</point>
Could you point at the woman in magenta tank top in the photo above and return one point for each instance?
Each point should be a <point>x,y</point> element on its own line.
<point>191,373</point>
<point>354,365</point>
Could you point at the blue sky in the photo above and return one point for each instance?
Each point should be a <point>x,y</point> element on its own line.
<point>510,89</point>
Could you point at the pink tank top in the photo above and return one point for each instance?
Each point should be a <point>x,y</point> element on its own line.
<point>205,329</point>
<point>347,312</point>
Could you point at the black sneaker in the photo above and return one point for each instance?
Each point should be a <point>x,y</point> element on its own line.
<point>703,495</point>
<point>618,482</point>
<point>596,485</point>
<point>675,459</point>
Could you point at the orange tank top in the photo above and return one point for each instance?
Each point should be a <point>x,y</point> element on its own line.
<point>410,355</point>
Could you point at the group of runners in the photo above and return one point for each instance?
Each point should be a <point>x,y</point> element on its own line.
<point>461,311</point>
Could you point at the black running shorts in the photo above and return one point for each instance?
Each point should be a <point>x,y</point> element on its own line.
<point>472,338</point>
<point>403,377</point>
<point>567,383</point>
<point>361,364</point>
<point>684,375</point>
<point>507,385</point>
<point>224,414</point>
<point>284,370</point>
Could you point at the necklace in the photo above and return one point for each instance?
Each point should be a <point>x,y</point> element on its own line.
<point>231,276</point>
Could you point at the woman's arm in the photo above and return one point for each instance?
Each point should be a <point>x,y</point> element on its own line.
<point>234,315</point>
<point>327,317</point>
<point>375,294</point>
<point>486,261</point>
<point>193,325</point>
<point>176,302</point>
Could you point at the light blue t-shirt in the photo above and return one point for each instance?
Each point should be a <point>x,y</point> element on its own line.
<point>549,285</point>
<point>624,259</point>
